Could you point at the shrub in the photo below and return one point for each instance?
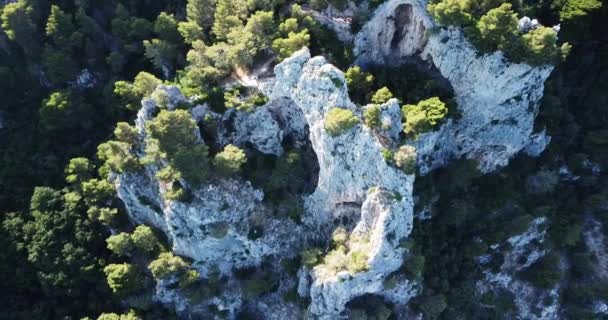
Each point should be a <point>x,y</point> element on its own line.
<point>311,257</point>
<point>78,170</point>
<point>424,116</point>
<point>405,158</point>
<point>372,116</point>
<point>387,154</point>
<point>339,237</point>
<point>189,278</point>
<point>540,46</point>
<point>144,239</point>
<point>382,96</point>
<point>123,278</point>
<point>498,28</point>
<point>451,12</point>
<point>359,83</point>
<point>229,161</point>
<point>358,262</point>
<point>167,265</point>
<point>120,244</point>
<point>338,120</point>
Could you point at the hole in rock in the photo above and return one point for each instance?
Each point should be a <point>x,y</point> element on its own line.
<point>288,178</point>
<point>403,19</point>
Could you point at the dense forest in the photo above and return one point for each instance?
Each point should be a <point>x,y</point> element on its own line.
<point>73,74</point>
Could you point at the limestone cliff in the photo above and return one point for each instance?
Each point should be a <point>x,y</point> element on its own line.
<point>357,188</point>
<point>498,100</point>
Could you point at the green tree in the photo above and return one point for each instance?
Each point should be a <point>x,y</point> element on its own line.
<point>162,54</point>
<point>175,133</point>
<point>228,14</point>
<point>338,120</point>
<point>126,133</point>
<point>540,46</point>
<point>424,116</point>
<point>167,265</point>
<point>382,96</point>
<point>121,244</point>
<point>201,12</point>
<point>230,160</point>
<point>285,47</point>
<point>130,30</point>
<point>123,278</point>
<point>572,10</point>
<point>62,244</point>
<point>359,83</point>
<point>113,316</point>
<point>63,110</point>
<point>498,28</point>
<point>18,22</point>
<point>451,12</point>
<point>372,116</point>
<point>60,28</point>
<point>78,171</point>
<point>97,192</point>
<point>165,27</point>
<point>144,239</point>
<point>117,156</point>
<point>174,130</point>
<point>131,93</point>
<point>60,67</point>
<point>190,31</point>
<point>107,216</point>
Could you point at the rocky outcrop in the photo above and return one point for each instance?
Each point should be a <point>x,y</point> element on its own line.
<point>222,226</point>
<point>265,128</point>
<point>498,100</point>
<point>351,164</point>
<point>520,252</point>
<point>356,188</point>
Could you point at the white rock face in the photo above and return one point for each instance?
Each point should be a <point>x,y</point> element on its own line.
<point>266,127</point>
<point>350,164</point>
<point>498,100</point>
<point>531,302</point>
<point>213,228</point>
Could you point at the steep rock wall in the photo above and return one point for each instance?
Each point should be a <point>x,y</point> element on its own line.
<point>498,100</point>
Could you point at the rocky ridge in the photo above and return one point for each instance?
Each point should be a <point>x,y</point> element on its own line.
<point>498,101</point>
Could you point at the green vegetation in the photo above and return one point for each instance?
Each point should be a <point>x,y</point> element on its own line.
<point>405,158</point>
<point>424,116</point>
<point>359,83</point>
<point>167,265</point>
<point>123,278</point>
<point>230,160</point>
<point>311,257</point>
<point>339,120</point>
<point>381,96</point>
<point>493,25</point>
<point>173,132</point>
<point>372,116</point>
<point>73,74</point>
<point>121,244</point>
